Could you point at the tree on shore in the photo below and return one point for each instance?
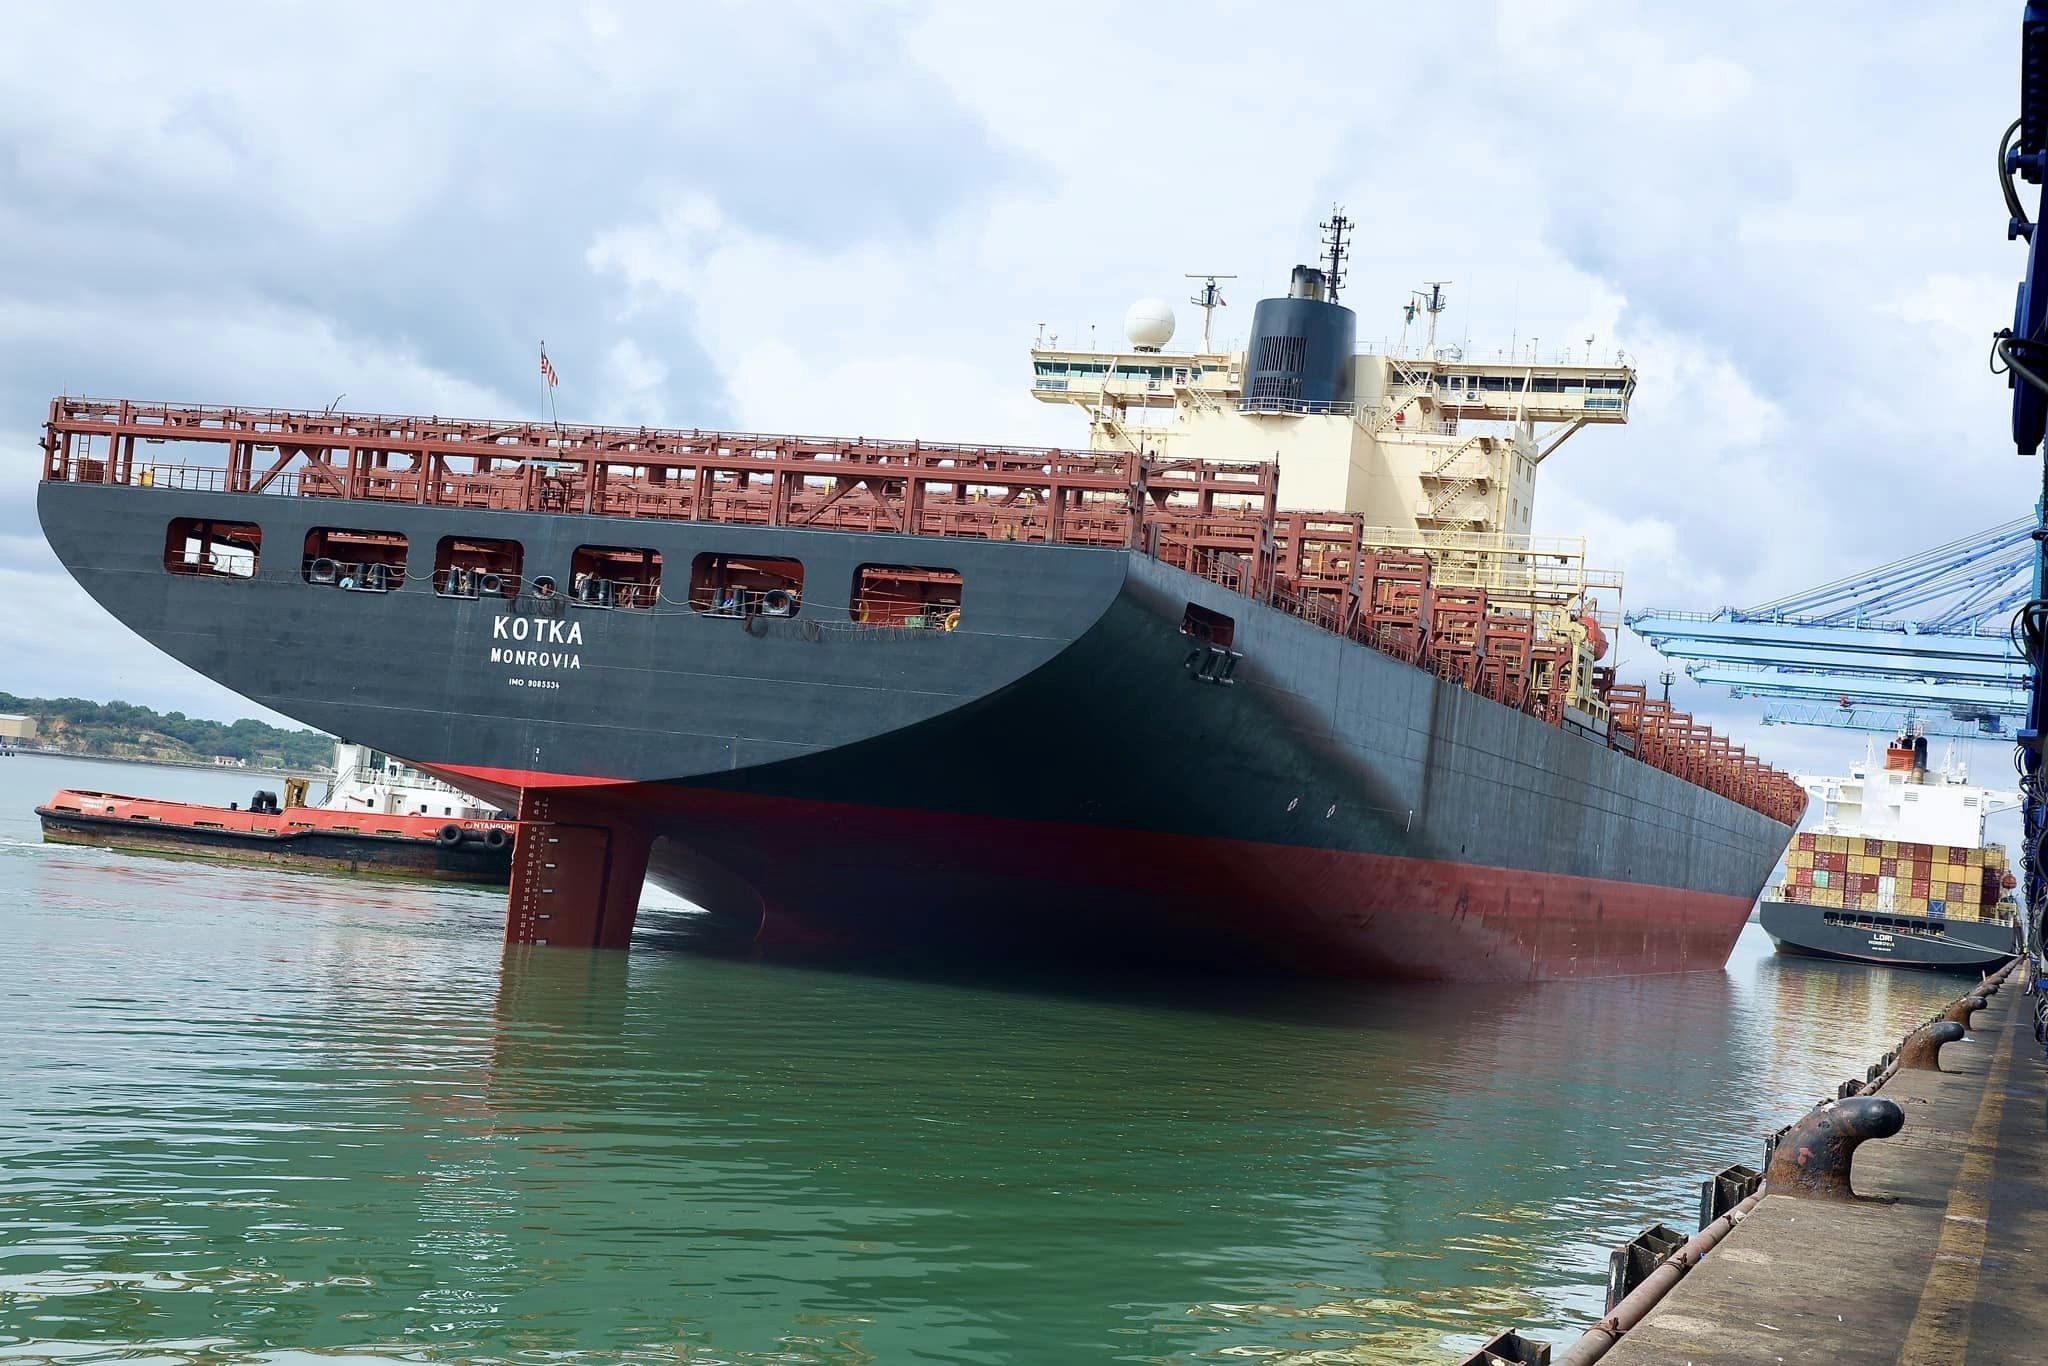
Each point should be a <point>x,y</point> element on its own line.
<point>83,726</point>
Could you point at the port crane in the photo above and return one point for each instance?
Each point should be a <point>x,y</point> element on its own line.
<point>1923,642</point>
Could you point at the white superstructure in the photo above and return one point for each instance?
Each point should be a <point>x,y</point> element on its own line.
<point>369,780</point>
<point>1429,442</point>
<point>1908,803</point>
<point>1434,450</point>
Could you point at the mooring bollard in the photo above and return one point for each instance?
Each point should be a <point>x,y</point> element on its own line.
<point>1922,1050</point>
<point>1961,1011</point>
<point>1812,1156</point>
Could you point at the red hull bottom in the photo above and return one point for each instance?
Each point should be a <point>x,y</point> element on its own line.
<point>811,876</point>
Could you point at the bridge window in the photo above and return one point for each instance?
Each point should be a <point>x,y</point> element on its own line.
<point>613,576</point>
<point>365,561</point>
<point>906,595</point>
<point>201,546</point>
<point>746,585</point>
<point>470,567</point>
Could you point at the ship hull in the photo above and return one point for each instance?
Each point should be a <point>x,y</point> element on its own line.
<point>1059,774</point>
<point>1808,931</point>
<point>923,881</point>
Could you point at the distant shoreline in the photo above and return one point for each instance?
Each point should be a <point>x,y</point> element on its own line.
<point>251,771</point>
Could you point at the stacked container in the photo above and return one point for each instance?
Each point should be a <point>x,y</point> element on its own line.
<point>1895,877</point>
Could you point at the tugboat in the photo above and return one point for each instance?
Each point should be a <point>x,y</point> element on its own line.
<point>1899,871</point>
<point>379,817</point>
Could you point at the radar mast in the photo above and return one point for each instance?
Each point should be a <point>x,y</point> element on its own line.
<point>1433,303</point>
<point>1209,300</point>
<point>1334,229</point>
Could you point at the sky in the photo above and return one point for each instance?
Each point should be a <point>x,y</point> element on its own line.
<point>853,219</point>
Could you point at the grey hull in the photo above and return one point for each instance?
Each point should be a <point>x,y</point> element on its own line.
<point>1893,940</point>
<point>1060,767</point>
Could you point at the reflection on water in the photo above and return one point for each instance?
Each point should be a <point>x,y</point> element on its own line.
<point>241,1113</point>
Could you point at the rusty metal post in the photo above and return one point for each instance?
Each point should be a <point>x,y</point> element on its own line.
<point>1812,1157</point>
<point>1922,1050</point>
<point>1726,1189</point>
<point>1624,1317</point>
<point>1960,1011</point>
<point>1629,1265</point>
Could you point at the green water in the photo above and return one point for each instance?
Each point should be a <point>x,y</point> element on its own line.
<point>244,1115</point>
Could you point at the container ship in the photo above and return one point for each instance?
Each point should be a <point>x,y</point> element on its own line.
<point>1899,871</point>
<point>378,818</point>
<point>1118,705</point>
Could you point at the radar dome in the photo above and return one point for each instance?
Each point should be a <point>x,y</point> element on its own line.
<point>1149,324</point>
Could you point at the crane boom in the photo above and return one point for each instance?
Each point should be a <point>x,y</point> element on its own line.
<point>1929,635</point>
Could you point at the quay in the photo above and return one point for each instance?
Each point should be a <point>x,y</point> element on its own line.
<point>1936,1257</point>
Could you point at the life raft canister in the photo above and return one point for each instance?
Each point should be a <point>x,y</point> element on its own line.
<point>1596,639</point>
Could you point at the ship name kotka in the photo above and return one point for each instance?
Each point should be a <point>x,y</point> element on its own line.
<point>538,631</point>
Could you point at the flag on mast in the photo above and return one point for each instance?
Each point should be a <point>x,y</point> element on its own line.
<point>547,367</point>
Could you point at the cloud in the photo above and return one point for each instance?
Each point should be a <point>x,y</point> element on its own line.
<point>325,212</point>
<point>60,643</point>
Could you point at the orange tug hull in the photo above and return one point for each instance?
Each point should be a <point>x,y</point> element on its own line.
<point>362,844</point>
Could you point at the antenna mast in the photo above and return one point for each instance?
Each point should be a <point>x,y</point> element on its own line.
<point>1433,303</point>
<point>1333,242</point>
<point>1209,300</point>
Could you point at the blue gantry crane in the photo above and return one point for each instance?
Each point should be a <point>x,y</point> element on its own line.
<point>1925,641</point>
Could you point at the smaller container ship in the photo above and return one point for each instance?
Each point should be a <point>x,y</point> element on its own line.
<point>380,817</point>
<point>1899,871</point>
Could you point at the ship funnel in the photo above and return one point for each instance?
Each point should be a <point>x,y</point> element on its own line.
<point>1299,356</point>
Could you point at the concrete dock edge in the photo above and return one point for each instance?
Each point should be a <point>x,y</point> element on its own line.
<point>1942,1259</point>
